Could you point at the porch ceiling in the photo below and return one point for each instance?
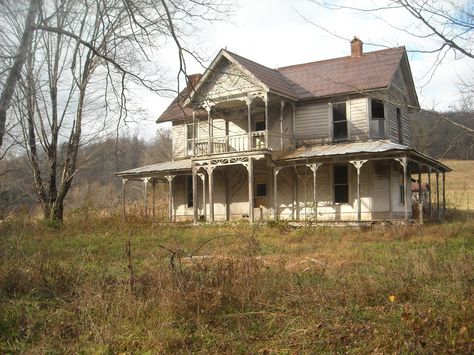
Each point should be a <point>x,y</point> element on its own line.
<point>158,170</point>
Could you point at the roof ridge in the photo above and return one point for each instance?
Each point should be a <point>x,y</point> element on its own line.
<point>340,58</point>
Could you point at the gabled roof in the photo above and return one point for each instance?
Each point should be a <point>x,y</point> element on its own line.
<point>321,79</point>
<point>373,70</point>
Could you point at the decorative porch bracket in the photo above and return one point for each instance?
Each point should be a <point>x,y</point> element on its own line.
<point>358,165</point>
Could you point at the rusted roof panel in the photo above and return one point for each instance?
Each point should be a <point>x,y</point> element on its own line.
<point>167,166</point>
<point>325,150</point>
<point>373,70</point>
<point>272,78</point>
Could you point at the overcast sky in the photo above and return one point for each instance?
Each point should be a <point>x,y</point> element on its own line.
<point>278,33</point>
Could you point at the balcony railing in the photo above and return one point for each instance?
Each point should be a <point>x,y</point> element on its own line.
<point>239,143</point>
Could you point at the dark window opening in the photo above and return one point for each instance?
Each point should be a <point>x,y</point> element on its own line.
<point>402,188</point>
<point>339,118</point>
<point>191,132</point>
<point>341,184</point>
<point>260,126</point>
<point>400,125</point>
<point>261,190</point>
<point>189,191</point>
<point>377,124</point>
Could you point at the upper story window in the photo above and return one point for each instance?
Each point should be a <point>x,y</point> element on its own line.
<point>339,121</point>
<point>377,119</point>
<point>191,132</point>
<point>400,125</point>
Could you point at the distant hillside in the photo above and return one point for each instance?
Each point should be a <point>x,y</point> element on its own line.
<point>440,139</point>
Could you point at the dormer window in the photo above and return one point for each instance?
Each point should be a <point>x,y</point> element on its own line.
<point>377,119</point>
<point>339,121</point>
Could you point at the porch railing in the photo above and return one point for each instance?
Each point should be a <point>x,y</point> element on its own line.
<point>241,142</point>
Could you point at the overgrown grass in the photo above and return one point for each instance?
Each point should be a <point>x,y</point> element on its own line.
<point>259,289</point>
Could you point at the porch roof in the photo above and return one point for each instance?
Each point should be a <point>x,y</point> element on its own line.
<point>158,170</point>
<point>358,149</point>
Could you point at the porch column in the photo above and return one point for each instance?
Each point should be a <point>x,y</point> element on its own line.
<point>124,182</point>
<point>296,207</point>
<point>249,122</point>
<point>194,134</point>
<point>203,178</point>
<point>145,185</point>
<point>438,210</point>
<point>314,168</point>
<point>170,197</point>
<point>444,195</point>
<point>276,216</point>
<point>358,165</point>
<point>390,188</point>
<point>430,206</point>
<point>420,195</point>
<point>195,211</point>
<point>250,174</point>
<point>210,170</point>
<point>226,183</point>
<point>266,120</point>
<point>282,109</point>
<point>405,185</point>
<point>153,184</point>
<point>209,125</point>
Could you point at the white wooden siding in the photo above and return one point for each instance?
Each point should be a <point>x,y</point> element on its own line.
<point>358,118</point>
<point>179,139</point>
<point>311,121</point>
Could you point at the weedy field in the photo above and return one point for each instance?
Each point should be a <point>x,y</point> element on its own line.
<point>101,285</point>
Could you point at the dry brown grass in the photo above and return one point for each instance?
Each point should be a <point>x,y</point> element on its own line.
<point>262,289</point>
<point>460,184</point>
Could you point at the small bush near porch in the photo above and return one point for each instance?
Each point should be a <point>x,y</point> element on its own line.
<point>85,288</point>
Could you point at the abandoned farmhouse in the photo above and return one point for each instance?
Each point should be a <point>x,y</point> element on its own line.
<point>321,141</point>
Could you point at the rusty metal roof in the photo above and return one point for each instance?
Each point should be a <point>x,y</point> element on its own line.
<point>272,78</point>
<point>158,169</point>
<point>373,70</point>
<point>334,150</point>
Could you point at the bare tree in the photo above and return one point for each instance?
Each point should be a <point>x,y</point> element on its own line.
<point>79,64</point>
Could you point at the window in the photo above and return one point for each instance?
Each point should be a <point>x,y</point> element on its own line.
<point>189,190</point>
<point>191,132</point>
<point>261,190</point>
<point>260,126</point>
<point>377,121</point>
<point>402,188</point>
<point>341,185</point>
<point>399,125</point>
<point>339,121</point>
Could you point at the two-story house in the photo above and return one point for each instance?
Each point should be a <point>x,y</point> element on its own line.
<point>321,141</point>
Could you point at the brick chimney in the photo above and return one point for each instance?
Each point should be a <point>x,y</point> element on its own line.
<point>192,80</point>
<point>356,48</point>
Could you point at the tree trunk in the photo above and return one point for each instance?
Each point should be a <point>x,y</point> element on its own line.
<point>15,71</point>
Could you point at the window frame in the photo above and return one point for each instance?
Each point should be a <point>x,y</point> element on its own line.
<point>378,119</point>
<point>189,191</point>
<point>347,184</point>
<point>399,118</point>
<point>346,121</point>
<point>195,130</point>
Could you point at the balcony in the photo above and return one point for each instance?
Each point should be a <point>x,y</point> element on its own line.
<point>239,143</point>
